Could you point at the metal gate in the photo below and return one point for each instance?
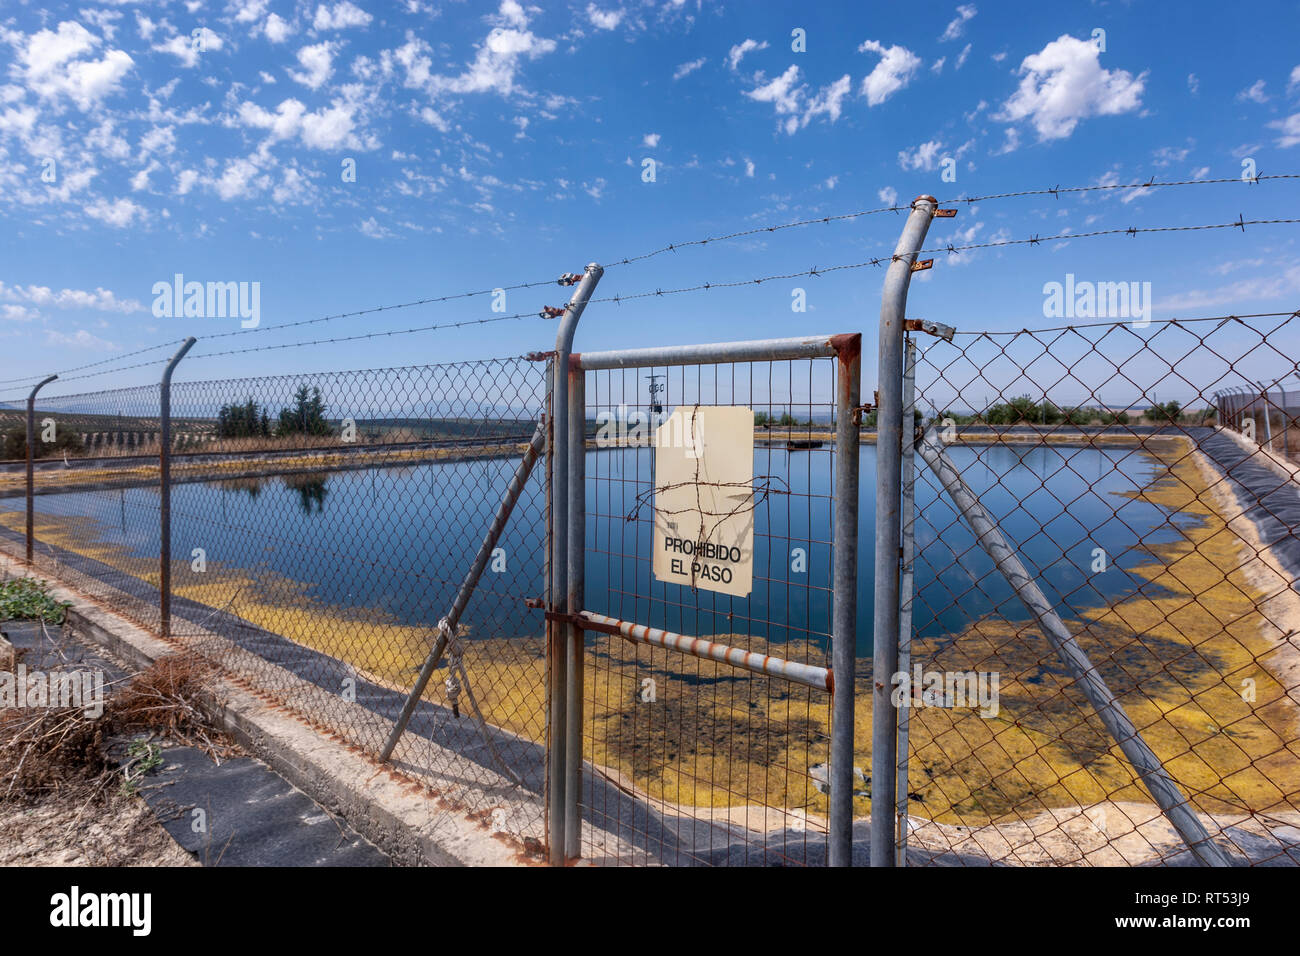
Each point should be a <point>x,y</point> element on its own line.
<point>702,728</point>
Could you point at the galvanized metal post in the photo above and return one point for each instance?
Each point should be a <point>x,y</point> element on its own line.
<point>1268,415</point>
<point>31,452</point>
<point>447,626</point>
<point>889,454</point>
<point>558,635</point>
<point>844,591</point>
<point>165,491</point>
<point>906,595</point>
<point>574,677</point>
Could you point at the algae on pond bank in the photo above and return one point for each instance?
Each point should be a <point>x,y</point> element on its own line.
<point>1176,652</point>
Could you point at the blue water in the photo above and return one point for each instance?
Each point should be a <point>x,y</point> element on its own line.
<point>395,542</point>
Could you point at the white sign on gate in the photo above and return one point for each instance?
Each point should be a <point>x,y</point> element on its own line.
<point>704,499</point>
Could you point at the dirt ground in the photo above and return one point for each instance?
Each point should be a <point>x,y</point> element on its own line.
<point>117,830</point>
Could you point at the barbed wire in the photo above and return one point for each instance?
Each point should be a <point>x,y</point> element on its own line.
<point>1149,184</point>
<point>366,335</point>
<point>951,249</point>
<point>1240,223</point>
<point>1170,321</point>
<point>78,368</point>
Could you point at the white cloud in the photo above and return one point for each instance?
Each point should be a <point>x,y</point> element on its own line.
<point>1065,83</point>
<point>923,157</point>
<point>1193,83</point>
<point>1290,130</point>
<point>603,19</point>
<point>650,140</point>
<point>937,66</point>
<point>1254,93</point>
<point>188,49</point>
<point>783,94</point>
<point>82,339</point>
<point>340,17</point>
<point>896,67</point>
<point>1200,172</point>
<point>249,11</point>
<point>749,168</point>
<point>371,227</point>
<point>686,69</point>
<point>958,25</point>
<point>18,313</point>
<point>119,213</point>
<point>888,195</point>
<point>499,57</point>
<point>740,49</point>
<point>328,128</point>
<point>829,101</point>
<point>101,300</point>
<point>1271,286</point>
<point>51,64</point>
<point>318,64</point>
<point>1293,84</point>
<point>961,57</point>
<point>277,29</point>
<point>790,99</point>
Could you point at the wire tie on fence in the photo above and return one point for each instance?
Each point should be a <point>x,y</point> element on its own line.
<point>1033,240</point>
<point>1241,222</point>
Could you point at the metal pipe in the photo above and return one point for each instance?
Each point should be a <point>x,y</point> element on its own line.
<point>31,452</point>
<point>468,585</point>
<point>761,350</point>
<point>844,597</point>
<point>889,453</point>
<point>1157,780</point>
<point>808,675</point>
<point>575,663</point>
<point>165,491</point>
<point>558,633</point>
<point>906,595</point>
<point>1268,415</point>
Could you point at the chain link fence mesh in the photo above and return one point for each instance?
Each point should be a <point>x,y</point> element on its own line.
<point>1164,537</point>
<point>321,526</point>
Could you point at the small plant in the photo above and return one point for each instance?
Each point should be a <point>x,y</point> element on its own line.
<point>27,599</point>
<point>142,758</point>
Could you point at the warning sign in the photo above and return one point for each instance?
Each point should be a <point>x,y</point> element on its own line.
<point>704,499</point>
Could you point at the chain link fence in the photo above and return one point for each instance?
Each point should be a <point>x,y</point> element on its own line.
<point>1162,532</point>
<point>321,524</point>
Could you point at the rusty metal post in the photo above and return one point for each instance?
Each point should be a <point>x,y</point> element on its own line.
<point>844,595</point>
<point>31,451</point>
<point>165,491</point>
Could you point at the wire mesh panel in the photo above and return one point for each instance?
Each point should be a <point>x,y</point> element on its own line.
<point>694,762</point>
<point>1163,537</point>
<point>321,526</point>
<point>96,507</point>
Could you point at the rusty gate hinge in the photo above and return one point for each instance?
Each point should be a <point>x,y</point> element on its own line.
<point>922,265</point>
<point>937,329</point>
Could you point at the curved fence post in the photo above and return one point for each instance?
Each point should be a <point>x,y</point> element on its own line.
<point>31,451</point>
<point>889,487</point>
<point>165,491</point>
<point>565,568</point>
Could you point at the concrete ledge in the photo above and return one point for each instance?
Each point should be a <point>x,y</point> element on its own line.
<point>394,812</point>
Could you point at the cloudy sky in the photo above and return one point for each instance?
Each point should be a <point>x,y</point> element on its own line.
<point>351,155</point>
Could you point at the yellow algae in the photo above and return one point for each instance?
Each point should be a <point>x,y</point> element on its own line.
<point>705,735</point>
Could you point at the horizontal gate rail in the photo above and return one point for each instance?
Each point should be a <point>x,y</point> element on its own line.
<point>760,350</point>
<point>818,678</point>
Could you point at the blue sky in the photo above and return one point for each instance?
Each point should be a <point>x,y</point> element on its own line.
<point>498,143</point>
